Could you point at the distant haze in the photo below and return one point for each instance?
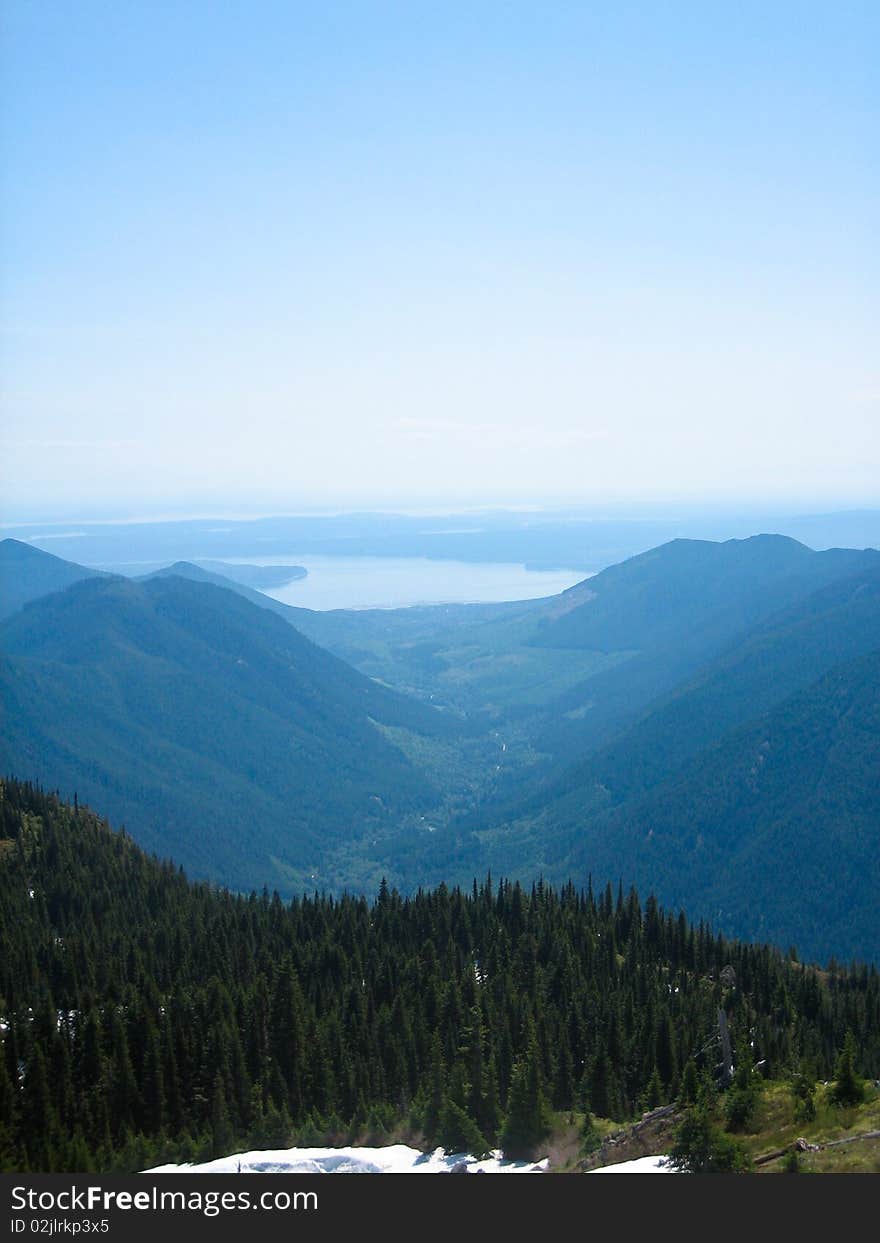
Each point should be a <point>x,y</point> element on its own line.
<point>280,256</point>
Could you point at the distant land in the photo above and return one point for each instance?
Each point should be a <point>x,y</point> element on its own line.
<point>260,577</point>
<point>542,539</point>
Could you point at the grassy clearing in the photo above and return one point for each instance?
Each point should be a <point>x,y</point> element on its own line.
<point>776,1127</point>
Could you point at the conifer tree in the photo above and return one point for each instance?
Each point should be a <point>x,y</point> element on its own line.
<point>563,1088</point>
<point>9,1156</point>
<point>654,1093</point>
<point>222,1134</point>
<point>604,1096</point>
<point>457,1132</point>
<point>490,1118</point>
<point>528,1120</point>
<point>702,1147</point>
<point>743,1095</point>
<point>124,1097</point>
<point>436,1092</point>
<point>8,1102</point>
<point>803,1083</point>
<point>665,1051</point>
<point>849,1087</point>
<point>689,1083</point>
<point>153,1087</point>
<point>39,1120</point>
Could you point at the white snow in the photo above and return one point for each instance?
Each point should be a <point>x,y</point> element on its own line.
<point>641,1165</point>
<point>391,1159</point>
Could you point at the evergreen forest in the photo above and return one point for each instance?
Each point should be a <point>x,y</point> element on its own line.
<point>146,1018</point>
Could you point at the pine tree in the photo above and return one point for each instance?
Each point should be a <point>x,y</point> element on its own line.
<point>563,1088</point>
<point>39,1120</point>
<point>436,1093</point>
<point>153,1087</point>
<point>490,1118</point>
<point>689,1083</point>
<point>125,1098</point>
<point>457,1132</point>
<point>528,1120</point>
<point>701,1147</point>
<point>803,1091</point>
<point>9,1155</point>
<point>849,1087</point>
<point>743,1096</point>
<point>8,1103</point>
<point>222,1134</point>
<point>604,1093</point>
<point>665,1051</point>
<point>654,1093</point>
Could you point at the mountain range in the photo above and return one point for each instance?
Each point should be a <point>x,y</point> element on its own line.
<point>700,719</point>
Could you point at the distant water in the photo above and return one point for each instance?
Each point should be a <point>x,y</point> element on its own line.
<point>397,582</point>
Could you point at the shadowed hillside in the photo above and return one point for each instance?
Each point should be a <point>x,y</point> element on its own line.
<point>207,725</point>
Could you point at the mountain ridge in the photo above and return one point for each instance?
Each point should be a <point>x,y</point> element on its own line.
<point>174,699</point>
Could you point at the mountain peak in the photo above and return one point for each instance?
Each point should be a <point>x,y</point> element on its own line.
<point>27,573</point>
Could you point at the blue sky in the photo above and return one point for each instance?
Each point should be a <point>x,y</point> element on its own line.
<point>281,255</point>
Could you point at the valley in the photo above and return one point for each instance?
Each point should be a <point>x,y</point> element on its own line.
<point>612,730</point>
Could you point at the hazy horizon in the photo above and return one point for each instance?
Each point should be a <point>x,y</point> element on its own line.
<point>298,256</point>
<point>634,509</point>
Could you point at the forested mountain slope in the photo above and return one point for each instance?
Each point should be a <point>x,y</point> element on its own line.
<point>201,574</point>
<point>147,1019</point>
<point>671,590</point>
<point>788,852</point>
<point>571,672</point>
<point>28,573</point>
<point>772,831</point>
<point>778,657</point>
<point>208,726</point>
<point>674,610</point>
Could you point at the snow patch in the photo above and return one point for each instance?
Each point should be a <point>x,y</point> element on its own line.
<point>641,1165</point>
<point>391,1159</point>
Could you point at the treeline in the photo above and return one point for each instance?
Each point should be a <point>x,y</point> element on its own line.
<point>145,1018</point>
